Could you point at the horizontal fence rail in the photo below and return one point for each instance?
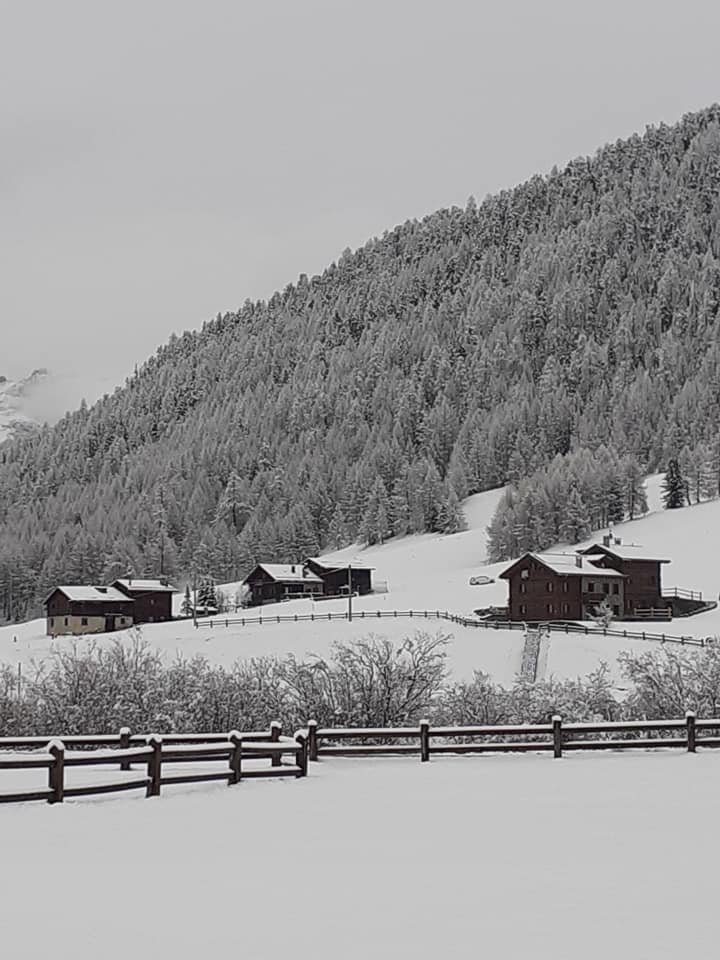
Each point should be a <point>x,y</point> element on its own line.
<point>556,736</point>
<point>150,760</point>
<point>554,627</point>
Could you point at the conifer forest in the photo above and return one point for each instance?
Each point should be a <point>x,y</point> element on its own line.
<point>562,337</point>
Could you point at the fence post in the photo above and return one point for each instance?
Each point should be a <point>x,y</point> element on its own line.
<point>690,720</point>
<point>424,741</point>
<point>557,736</point>
<point>235,774</point>
<point>301,754</point>
<point>124,745</point>
<point>56,772</point>
<point>312,740</point>
<point>154,768</point>
<point>275,728</point>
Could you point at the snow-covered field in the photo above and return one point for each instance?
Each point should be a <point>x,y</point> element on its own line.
<point>592,856</point>
<point>433,572</point>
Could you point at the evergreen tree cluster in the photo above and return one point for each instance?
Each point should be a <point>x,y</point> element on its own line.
<point>565,501</point>
<point>580,310</point>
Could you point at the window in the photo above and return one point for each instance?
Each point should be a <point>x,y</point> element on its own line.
<point>66,621</point>
<point>566,586</point>
<point>523,608</point>
<point>616,588</point>
<point>524,574</point>
<point>591,587</point>
<point>566,608</point>
<point>550,608</point>
<point>523,588</point>
<point>83,621</point>
<point>606,588</point>
<point>52,621</point>
<point>549,586</point>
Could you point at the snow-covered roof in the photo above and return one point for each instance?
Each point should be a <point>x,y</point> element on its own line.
<point>292,572</point>
<point>147,586</point>
<point>626,551</point>
<point>330,563</point>
<point>566,565</point>
<point>93,594</point>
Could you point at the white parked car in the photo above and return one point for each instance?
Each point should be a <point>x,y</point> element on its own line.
<point>480,581</point>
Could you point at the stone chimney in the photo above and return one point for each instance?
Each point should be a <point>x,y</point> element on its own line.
<point>578,560</point>
<point>292,568</point>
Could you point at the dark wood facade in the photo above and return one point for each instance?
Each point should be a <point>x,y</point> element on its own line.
<point>272,583</point>
<point>337,579</point>
<point>643,576</point>
<point>150,606</point>
<point>265,587</point>
<point>537,593</point>
<point>565,590</point>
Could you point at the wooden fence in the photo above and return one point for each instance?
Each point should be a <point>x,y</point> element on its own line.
<point>231,749</point>
<point>556,737</point>
<point>556,627</point>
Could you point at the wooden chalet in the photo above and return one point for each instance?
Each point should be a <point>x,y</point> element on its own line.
<point>76,610</point>
<point>566,586</point>
<point>273,582</point>
<point>152,598</point>
<point>316,578</point>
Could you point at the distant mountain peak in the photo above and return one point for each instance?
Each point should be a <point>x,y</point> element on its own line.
<point>14,394</point>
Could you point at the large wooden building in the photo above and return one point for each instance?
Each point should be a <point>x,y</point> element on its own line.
<point>77,610</point>
<point>316,578</point>
<point>571,586</point>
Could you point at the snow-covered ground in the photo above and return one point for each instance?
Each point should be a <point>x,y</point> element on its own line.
<point>592,856</point>
<point>433,572</point>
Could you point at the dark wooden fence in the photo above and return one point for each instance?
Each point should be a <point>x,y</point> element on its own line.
<point>556,737</point>
<point>455,618</point>
<point>152,752</point>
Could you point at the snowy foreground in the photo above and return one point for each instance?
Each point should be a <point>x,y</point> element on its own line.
<point>506,857</point>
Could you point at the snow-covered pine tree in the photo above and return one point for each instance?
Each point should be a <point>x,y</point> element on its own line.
<point>634,494</point>
<point>575,525</point>
<point>673,487</point>
<point>451,518</point>
<point>186,608</point>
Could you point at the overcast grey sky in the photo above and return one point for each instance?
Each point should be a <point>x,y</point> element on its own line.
<point>163,161</point>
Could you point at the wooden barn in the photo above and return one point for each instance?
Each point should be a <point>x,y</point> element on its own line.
<point>338,577</point>
<point>152,598</point>
<point>76,610</point>
<point>273,582</point>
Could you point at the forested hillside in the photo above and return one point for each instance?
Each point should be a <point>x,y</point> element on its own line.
<point>446,357</point>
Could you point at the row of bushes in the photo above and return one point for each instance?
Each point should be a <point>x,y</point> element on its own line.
<point>372,682</point>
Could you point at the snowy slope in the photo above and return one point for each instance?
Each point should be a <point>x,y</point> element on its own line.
<point>586,858</point>
<point>433,572</point>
